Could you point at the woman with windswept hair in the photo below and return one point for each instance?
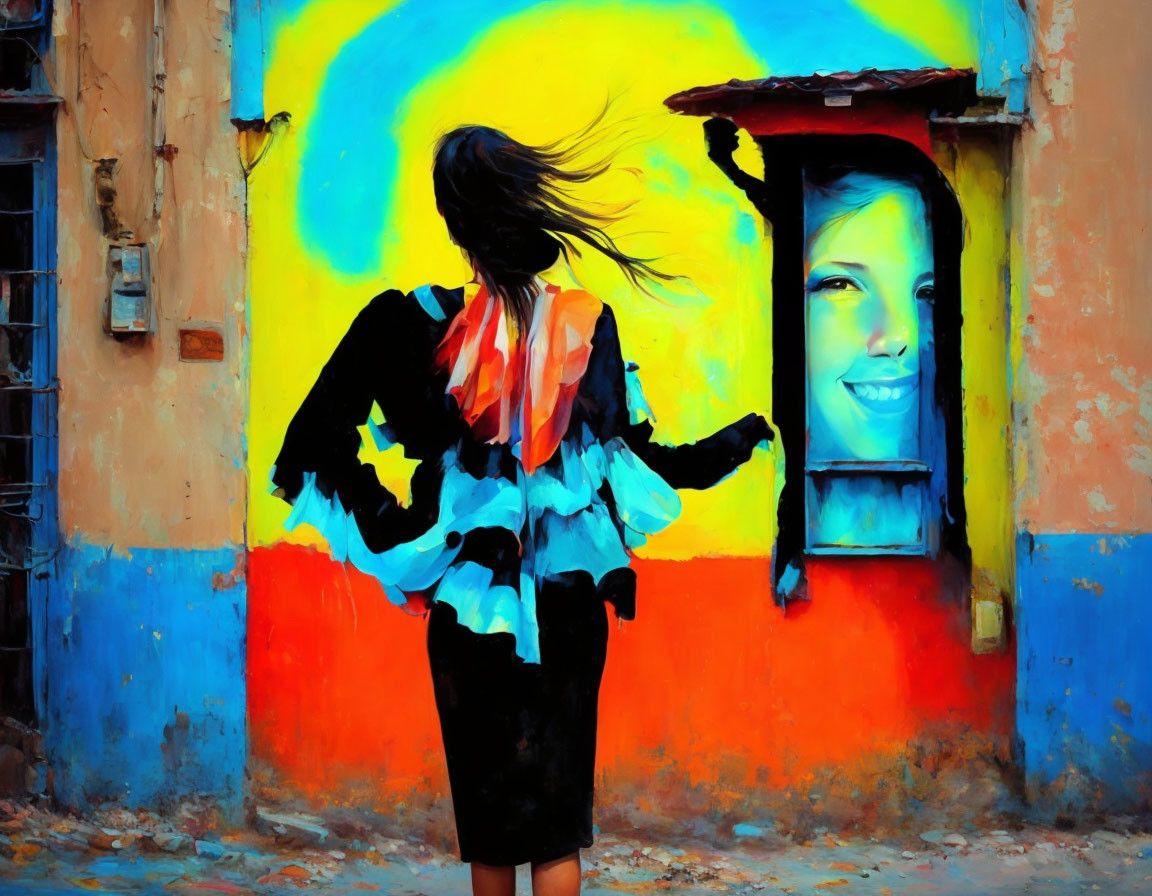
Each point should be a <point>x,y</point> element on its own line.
<point>537,476</point>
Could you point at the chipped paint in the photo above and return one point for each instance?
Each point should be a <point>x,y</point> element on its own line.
<point>222,581</point>
<point>1087,585</point>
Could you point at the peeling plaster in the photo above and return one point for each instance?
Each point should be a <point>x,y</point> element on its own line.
<point>1098,502</point>
<point>1054,44</point>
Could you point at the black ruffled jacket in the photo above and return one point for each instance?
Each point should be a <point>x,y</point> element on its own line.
<point>387,357</point>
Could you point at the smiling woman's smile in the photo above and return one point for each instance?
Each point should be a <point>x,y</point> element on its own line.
<point>885,396</point>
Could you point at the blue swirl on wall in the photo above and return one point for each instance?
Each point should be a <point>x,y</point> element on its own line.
<point>350,152</point>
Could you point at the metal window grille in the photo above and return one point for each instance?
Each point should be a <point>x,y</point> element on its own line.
<point>28,387</point>
<point>22,35</point>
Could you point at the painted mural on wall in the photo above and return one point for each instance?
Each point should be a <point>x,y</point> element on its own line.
<point>343,208</point>
<point>870,282</point>
<point>882,231</point>
<point>152,631</point>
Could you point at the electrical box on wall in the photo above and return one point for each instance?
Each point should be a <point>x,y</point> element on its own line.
<point>130,299</point>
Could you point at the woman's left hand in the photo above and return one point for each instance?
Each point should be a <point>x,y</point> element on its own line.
<point>756,428</point>
<point>762,428</point>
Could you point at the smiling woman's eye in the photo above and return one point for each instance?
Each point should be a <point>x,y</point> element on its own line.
<point>836,284</point>
<point>926,292</point>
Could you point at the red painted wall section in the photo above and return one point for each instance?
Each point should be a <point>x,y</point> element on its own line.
<point>339,693</point>
<point>712,687</point>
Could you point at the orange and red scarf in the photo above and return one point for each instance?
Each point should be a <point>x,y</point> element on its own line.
<point>509,385</point>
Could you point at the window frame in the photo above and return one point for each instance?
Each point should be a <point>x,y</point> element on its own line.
<point>27,136</point>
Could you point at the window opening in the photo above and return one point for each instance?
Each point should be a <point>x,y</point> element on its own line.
<point>22,36</point>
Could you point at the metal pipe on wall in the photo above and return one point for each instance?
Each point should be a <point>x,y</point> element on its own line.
<point>159,130</point>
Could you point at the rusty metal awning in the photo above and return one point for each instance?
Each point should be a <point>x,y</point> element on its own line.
<point>897,103</point>
<point>945,91</point>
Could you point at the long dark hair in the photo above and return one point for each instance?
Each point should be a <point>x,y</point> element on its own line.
<point>508,206</point>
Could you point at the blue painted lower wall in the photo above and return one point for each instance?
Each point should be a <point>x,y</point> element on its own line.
<point>142,659</point>
<point>143,697</point>
<point>1084,669</point>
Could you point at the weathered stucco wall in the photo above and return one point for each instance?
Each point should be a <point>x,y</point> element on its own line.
<point>142,647</point>
<point>1084,383</point>
<point>151,448</point>
<point>144,636</point>
<point>1083,402</point>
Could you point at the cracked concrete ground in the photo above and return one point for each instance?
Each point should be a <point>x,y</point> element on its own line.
<point>189,852</point>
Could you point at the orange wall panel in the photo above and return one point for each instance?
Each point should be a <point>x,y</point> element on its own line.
<point>1083,340</point>
<point>151,448</point>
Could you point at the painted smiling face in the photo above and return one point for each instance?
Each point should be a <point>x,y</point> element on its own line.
<point>869,283</point>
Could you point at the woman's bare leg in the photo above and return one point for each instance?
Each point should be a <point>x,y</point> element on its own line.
<point>493,880</point>
<point>560,877</point>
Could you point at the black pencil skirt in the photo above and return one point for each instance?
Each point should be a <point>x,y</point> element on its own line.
<point>520,738</point>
